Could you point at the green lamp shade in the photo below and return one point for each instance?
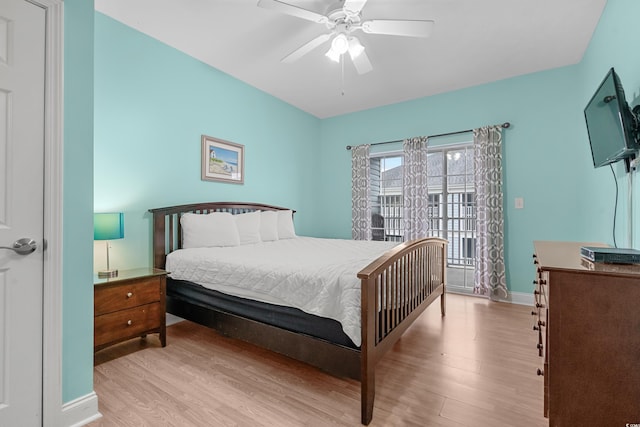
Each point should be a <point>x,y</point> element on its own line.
<point>108,226</point>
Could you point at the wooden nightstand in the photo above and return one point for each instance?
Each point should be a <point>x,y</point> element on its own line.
<point>128,306</point>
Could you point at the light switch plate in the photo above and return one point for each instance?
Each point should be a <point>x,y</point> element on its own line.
<point>519,203</point>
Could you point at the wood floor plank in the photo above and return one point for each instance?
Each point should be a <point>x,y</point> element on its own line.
<point>474,367</point>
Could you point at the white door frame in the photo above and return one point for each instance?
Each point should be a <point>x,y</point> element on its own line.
<point>53,204</point>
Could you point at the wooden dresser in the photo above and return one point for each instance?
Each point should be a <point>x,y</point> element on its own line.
<point>129,305</point>
<point>587,317</point>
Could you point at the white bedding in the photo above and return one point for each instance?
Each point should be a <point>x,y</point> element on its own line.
<point>317,276</point>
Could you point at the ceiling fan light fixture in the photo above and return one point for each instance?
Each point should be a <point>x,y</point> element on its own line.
<point>355,47</point>
<point>333,55</point>
<point>340,44</point>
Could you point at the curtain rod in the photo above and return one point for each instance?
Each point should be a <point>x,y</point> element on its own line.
<point>505,125</point>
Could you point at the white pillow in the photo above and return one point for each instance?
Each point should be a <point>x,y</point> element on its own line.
<point>248,225</point>
<point>206,230</point>
<point>286,229</point>
<point>268,226</point>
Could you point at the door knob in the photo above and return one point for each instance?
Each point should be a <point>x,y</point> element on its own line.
<point>22,246</point>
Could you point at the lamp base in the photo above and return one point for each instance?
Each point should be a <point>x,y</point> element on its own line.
<point>107,273</point>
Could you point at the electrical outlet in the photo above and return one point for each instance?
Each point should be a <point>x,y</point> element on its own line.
<point>519,203</point>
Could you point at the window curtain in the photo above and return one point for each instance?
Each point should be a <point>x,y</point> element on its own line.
<point>360,185</point>
<point>414,188</point>
<point>489,273</point>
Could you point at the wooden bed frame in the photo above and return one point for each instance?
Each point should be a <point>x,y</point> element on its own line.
<point>396,288</point>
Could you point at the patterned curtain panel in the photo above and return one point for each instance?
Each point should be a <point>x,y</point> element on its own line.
<point>360,185</point>
<point>490,271</point>
<point>414,191</point>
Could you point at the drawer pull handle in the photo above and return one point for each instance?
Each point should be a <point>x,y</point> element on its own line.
<point>540,346</point>
<point>534,313</point>
<point>542,323</point>
<point>538,305</point>
<point>536,327</point>
<point>129,294</point>
<point>129,323</point>
<point>540,372</point>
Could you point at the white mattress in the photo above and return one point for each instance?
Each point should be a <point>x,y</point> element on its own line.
<point>317,276</point>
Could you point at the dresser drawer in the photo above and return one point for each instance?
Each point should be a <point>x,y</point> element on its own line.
<point>123,296</point>
<point>123,324</point>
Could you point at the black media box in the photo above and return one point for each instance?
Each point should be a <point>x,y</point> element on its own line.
<point>610,255</point>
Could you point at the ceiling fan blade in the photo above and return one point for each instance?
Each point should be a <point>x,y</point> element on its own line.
<point>361,62</point>
<point>354,6</point>
<point>293,10</point>
<point>398,27</point>
<point>306,48</point>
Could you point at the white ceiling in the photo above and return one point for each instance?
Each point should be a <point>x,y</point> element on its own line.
<point>473,42</point>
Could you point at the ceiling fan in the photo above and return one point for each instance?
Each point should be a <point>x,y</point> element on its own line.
<point>343,18</point>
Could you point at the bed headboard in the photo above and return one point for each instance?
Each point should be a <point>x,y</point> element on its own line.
<point>167,234</point>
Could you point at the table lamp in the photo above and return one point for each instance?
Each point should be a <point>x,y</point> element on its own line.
<point>108,226</point>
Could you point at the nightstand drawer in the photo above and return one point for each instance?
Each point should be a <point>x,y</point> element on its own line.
<point>123,324</point>
<point>123,296</point>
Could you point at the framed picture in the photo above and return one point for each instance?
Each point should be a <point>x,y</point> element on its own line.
<point>222,160</point>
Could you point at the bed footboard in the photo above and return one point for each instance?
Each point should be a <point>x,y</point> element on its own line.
<point>395,290</point>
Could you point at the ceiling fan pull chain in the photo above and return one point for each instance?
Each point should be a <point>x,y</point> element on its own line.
<point>342,71</point>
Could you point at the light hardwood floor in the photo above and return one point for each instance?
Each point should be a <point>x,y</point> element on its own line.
<point>474,367</point>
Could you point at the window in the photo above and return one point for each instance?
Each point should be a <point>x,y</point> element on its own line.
<point>386,198</point>
<point>469,211</point>
<point>451,208</point>
<point>469,247</point>
<point>434,211</point>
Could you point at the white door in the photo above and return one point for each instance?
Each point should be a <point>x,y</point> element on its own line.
<point>22,89</point>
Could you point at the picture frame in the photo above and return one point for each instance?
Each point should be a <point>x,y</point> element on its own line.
<point>222,160</point>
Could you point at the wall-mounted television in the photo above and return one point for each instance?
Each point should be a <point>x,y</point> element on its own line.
<point>611,124</point>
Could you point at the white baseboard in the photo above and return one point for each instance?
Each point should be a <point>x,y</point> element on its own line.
<point>80,411</point>
<point>520,298</point>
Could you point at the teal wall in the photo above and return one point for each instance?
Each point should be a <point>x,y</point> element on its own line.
<point>614,44</point>
<point>152,104</point>
<point>543,143</point>
<point>77,292</point>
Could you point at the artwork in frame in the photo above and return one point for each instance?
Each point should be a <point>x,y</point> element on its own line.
<point>222,160</point>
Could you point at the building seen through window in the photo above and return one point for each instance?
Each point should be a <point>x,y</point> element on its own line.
<point>451,207</point>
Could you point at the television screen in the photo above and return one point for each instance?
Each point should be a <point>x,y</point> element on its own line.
<point>610,123</point>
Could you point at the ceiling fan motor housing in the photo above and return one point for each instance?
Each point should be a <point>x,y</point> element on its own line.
<point>338,16</point>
